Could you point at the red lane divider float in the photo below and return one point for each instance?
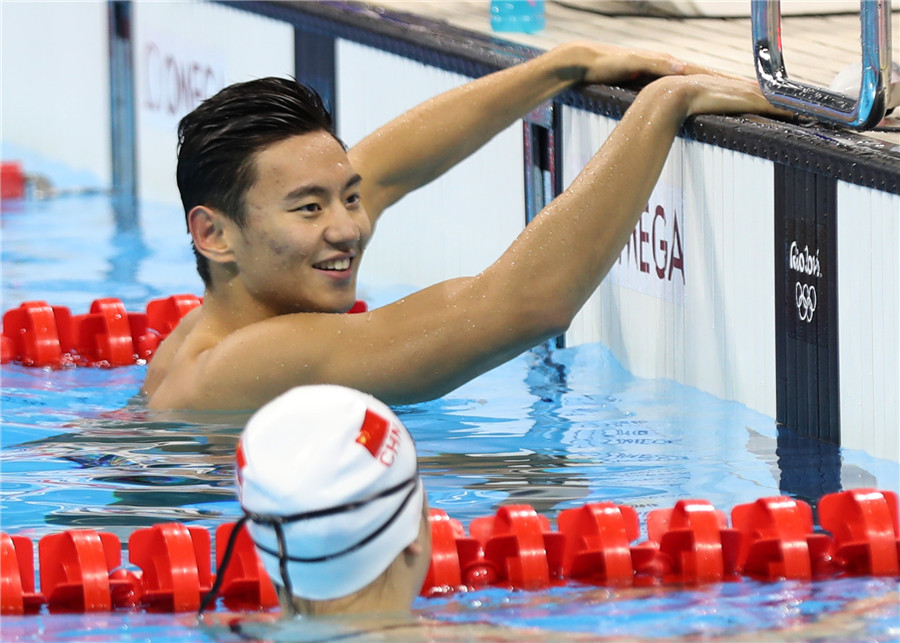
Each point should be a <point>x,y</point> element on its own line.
<point>175,561</point>
<point>689,544</point>
<point>17,595</point>
<point>516,547</point>
<point>246,586</point>
<point>75,568</point>
<point>12,180</point>
<point>779,541</point>
<point>866,531</point>
<point>38,334</point>
<point>771,539</point>
<point>598,537</point>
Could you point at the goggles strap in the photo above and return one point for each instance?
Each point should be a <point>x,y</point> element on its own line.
<point>282,549</point>
<point>282,562</point>
<point>277,523</point>
<point>220,573</point>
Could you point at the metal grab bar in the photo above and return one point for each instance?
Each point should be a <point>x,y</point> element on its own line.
<point>863,113</point>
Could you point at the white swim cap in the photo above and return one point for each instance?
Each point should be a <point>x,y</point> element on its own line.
<point>338,470</point>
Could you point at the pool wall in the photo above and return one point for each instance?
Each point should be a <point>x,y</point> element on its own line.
<point>766,268</point>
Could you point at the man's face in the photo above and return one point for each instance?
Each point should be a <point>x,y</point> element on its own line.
<point>306,227</point>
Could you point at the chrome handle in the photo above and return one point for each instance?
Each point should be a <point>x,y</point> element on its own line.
<point>863,113</point>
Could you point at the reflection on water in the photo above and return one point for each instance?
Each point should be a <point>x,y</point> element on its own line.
<point>540,480</point>
<point>114,473</point>
<point>550,429</point>
<point>809,468</point>
<point>850,609</point>
<point>82,456</point>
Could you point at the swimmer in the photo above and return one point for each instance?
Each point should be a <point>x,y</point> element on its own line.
<point>280,213</point>
<point>328,481</point>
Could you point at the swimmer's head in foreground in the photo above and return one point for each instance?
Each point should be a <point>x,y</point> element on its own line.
<point>329,483</point>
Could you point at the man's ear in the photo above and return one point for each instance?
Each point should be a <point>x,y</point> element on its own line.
<point>414,548</point>
<point>423,538</point>
<point>208,230</point>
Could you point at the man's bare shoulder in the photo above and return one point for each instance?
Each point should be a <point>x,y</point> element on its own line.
<point>202,367</point>
<point>414,349</point>
<point>168,350</point>
<point>177,371</point>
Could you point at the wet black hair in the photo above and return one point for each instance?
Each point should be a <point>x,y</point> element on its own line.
<point>218,142</point>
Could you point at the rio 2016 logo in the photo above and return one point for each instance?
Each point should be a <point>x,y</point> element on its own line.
<point>805,263</point>
<point>805,296</point>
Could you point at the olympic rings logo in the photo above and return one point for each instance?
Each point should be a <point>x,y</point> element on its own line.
<point>805,296</point>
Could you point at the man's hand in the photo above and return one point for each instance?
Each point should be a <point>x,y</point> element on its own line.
<point>608,64</point>
<point>720,95</point>
<point>596,63</point>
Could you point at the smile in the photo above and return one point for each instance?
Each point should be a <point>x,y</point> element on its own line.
<point>334,264</point>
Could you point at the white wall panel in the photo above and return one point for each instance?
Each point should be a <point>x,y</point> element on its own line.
<point>184,52</point>
<point>754,276</point>
<point>716,329</point>
<point>729,314</point>
<point>705,361</point>
<point>460,223</point>
<point>582,135</point>
<point>869,319</point>
<point>54,82</point>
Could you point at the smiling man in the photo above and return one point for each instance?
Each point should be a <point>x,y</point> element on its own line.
<point>280,214</point>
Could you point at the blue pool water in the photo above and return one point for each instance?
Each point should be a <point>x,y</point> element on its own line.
<point>554,429</point>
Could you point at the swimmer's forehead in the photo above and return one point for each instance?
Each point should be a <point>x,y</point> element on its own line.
<point>315,158</point>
